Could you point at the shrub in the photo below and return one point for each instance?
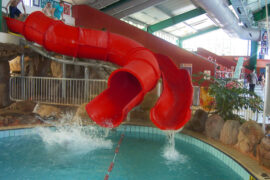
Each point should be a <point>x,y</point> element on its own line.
<point>229,95</point>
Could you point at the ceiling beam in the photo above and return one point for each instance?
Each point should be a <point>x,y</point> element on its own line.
<point>261,15</point>
<point>175,20</point>
<point>114,5</point>
<point>206,30</point>
<point>135,21</point>
<point>136,8</point>
<point>99,4</point>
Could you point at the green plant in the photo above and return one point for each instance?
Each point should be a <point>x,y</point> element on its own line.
<point>229,95</point>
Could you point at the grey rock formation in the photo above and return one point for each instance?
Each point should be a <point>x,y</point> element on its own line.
<point>249,136</point>
<point>213,126</point>
<point>229,132</point>
<point>197,122</point>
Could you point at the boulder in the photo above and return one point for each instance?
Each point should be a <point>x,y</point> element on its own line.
<point>56,69</point>
<point>264,151</point>
<point>46,111</point>
<point>4,98</point>
<point>249,136</point>
<point>197,122</point>
<point>9,51</point>
<point>42,66</point>
<point>20,107</point>
<point>28,119</point>
<point>36,65</point>
<point>15,65</point>
<point>229,132</point>
<point>150,99</point>
<point>213,126</point>
<point>139,116</point>
<point>2,120</point>
<point>96,72</point>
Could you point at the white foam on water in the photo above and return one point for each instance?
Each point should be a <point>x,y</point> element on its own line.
<point>72,137</point>
<point>169,152</point>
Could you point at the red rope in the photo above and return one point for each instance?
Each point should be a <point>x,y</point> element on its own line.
<point>115,154</point>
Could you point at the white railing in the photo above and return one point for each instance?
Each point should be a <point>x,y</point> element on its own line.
<point>247,114</point>
<point>223,74</point>
<point>61,91</point>
<point>226,74</point>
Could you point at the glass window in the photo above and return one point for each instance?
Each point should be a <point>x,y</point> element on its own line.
<point>220,43</point>
<point>27,2</point>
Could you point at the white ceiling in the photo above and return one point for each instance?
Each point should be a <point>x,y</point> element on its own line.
<point>149,12</point>
<point>171,8</point>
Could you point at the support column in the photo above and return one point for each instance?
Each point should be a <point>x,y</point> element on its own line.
<point>86,83</point>
<point>22,65</point>
<point>253,55</point>
<point>147,29</point>
<point>1,16</point>
<point>4,84</point>
<point>179,42</point>
<point>23,78</point>
<point>64,80</point>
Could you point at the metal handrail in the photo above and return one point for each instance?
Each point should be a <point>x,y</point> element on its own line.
<point>60,91</point>
<point>64,61</point>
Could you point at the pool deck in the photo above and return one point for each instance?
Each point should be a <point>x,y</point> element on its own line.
<point>246,161</point>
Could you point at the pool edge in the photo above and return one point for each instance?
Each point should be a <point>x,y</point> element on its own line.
<point>247,163</point>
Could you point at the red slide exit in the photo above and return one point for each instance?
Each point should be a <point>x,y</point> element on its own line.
<point>126,86</point>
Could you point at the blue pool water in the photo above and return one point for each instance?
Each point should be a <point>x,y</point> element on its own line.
<point>56,155</point>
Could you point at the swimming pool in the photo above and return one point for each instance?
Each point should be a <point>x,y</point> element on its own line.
<point>37,154</point>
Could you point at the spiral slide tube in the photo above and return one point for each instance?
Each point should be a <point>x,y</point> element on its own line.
<point>126,86</point>
<point>172,110</point>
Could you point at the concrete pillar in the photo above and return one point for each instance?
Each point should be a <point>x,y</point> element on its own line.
<point>180,42</point>
<point>86,83</point>
<point>64,75</point>
<point>22,65</point>
<point>253,55</point>
<point>4,84</point>
<point>23,78</point>
<point>1,17</point>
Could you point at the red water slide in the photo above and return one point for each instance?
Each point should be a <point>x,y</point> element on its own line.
<point>176,96</point>
<point>126,86</point>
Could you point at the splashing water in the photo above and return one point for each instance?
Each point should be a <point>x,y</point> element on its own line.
<point>73,137</point>
<point>107,132</point>
<point>169,151</point>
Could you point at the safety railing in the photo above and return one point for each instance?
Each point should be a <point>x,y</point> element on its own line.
<point>226,74</point>
<point>247,114</point>
<point>61,91</point>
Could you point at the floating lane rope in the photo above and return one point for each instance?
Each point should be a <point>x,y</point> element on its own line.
<point>115,154</point>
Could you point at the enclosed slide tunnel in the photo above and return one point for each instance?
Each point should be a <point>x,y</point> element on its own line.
<point>126,86</point>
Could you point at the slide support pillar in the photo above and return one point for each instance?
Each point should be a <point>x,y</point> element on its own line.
<point>64,74</point>
<point>253,55</point>
<point>86,83</point>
